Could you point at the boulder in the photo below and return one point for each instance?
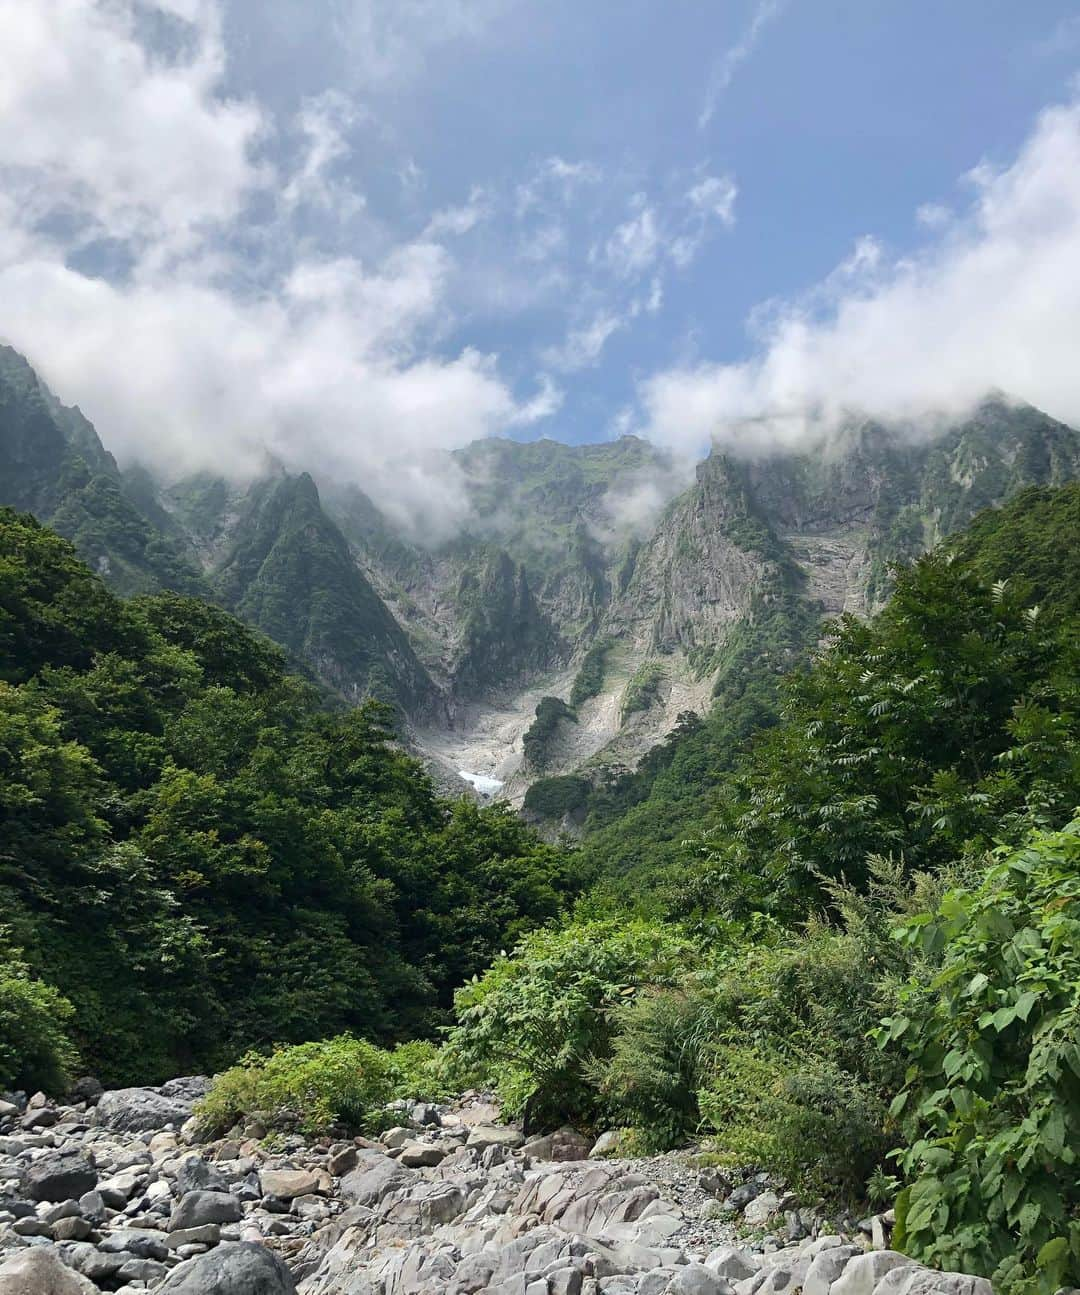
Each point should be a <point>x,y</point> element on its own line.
<point>288,1183</point>
<point>196,1208</point>
<point>563,1145</point>
<point>761,1209</point>
<point>696,1279</point>
<point>239,1268</point>
<point>58,1176</point>
<point>917,1280</point>
<point>826,1267</point>
<point>607,1144</point>
<point>494,1135</point>
<point>862,1273</point>
<point>133,1110</point>
<point>86,1089</point>
<point>731,1264</point>
<point>417,1155</point>
<point>41,1271</point>
<point>373,1178</point>
<point>197,1175</point>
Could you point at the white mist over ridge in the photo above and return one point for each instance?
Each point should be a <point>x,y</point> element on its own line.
<point>992,302</point>
<point>154,270</point>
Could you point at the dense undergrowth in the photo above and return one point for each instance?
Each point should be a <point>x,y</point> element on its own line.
<point>862,973</point>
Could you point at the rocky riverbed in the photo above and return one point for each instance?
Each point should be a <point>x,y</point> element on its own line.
<point>118,1192</point>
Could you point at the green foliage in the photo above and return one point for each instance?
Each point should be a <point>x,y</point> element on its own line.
<point>554,798</point>
<point>35,1050</point>
<point>589,679</point>
<point>312,1086</point>
<point>536,1021</point>
<point>201,859</point>
<point>542,732</point>
<point>765,1046</point>
<point>949,721</point>
<point>643,690</point>
<point>991,1109</point>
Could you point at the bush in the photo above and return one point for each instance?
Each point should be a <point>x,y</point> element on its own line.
<point>589,680</point>
<point>35,1051</point>
<point>992,1109</point>
<point>538,1020</point>
<point>314,1086</point>
<point>557,797</point>
<point>766,1048</point>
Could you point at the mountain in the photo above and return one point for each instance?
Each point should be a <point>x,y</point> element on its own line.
<point>53,465</point>
<point>269,552</point>
<point>595,576</point>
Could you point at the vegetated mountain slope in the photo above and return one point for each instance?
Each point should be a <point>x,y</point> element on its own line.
<point>699,605</point>
<point>269,553</point>
<point>838,519</point>
<point>201,857</point>
<point>53,464</point>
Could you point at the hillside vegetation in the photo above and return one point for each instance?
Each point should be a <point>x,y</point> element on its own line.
<point>859,974</point>
<point>200,858</point>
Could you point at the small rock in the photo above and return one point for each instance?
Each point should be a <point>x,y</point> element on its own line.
<point>71,1229</point>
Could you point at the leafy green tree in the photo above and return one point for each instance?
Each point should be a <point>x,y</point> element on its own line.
<point>991,1110</point>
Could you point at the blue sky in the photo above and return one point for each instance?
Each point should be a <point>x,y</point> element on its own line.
<point>349,232</point>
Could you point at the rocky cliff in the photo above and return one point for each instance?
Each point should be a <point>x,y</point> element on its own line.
<point>562,549</point>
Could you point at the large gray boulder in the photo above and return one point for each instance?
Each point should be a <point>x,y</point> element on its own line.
<point>196,1208</point>
<point>41,1271</point>
<point>134,1110</point>
<point>60,1175</point>
<point>373,1178</point>
<point>241,1268</point>
<point>917,1280</point>
<point>198,1175</point>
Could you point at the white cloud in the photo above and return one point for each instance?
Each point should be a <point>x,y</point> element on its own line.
<point>992,304</point>
<point>584,343</point>
<point>134,146</point>
<point>933,215</point>
<point>635,244</point>
<point>199,357</point>
<point>715,196</point>
<point>460,220</point>
<point>729,62</point>
<point>324,122</point>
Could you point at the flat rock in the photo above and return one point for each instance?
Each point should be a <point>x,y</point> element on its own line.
<point>373,1178</point>
<point>59,1175</point>
<point>196,1208</point>
<point>289,1183</point>
<point>494,1135</point>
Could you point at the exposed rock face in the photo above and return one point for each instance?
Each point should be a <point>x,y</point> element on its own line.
<point>558,548</point>
<point>449,1203</point>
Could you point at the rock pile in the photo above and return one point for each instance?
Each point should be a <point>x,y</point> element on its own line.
<point>115,1193</point>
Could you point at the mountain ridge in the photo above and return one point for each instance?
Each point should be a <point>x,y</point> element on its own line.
<point>563,548</point>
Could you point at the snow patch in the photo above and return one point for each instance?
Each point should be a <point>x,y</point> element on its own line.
<point>481,782</point>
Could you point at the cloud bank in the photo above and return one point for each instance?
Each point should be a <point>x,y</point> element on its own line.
<point>992,302</point>
<point>135,192</point>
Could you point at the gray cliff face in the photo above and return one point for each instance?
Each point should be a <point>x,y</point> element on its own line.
<point>564,548</point>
